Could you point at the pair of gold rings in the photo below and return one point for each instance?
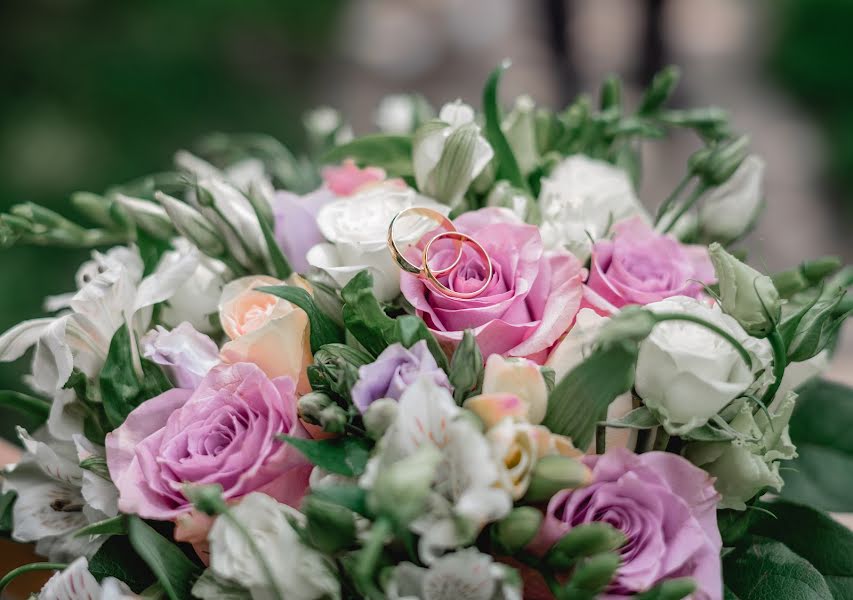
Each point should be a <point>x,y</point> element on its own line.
<point>424,271</point>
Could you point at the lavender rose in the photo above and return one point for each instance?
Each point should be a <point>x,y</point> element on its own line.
<point>393,371</point>
<point>665,506</point>
<point>185,354</point>
<point>223,432</point>
<point>641,266</point>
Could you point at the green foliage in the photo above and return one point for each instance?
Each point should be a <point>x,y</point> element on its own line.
<point>113,526</point>
<point>820,428</point>
<point>117,558</point>
<point>391,152</point>
<point>31,407</point>
<point>7,503</point>
<point>174,571</point>
<point>580,399</point>
<point>466,368</point>
<point>506,163</point>
<point>121,389</point>
<point>323,329</point>
<point>343,456</point>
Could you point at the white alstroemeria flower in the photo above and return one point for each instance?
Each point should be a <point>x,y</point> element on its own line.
<point>463,575</point>
<point>301,573</point>
<point>686,373</point>
<point>54,499</point>
<point>581,199</point>
<point>197,300</point>
<point>99,492</point>
<point>356,228</point>
<point>465,492</point>
<point>76,582</point>
<point>449,153</point>
<point>113,292</point>
<point>729,210</point>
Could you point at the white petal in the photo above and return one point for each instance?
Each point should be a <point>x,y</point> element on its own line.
<point>165,281</point>
<point>22,337</point>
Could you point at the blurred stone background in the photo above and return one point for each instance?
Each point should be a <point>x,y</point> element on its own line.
<point>97,92</point>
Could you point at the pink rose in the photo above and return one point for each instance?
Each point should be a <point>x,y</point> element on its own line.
<point>641,266</point>
<point>666,507</point>
<point>530,302</point>
<point>346,179</point>
<point>223,432</point>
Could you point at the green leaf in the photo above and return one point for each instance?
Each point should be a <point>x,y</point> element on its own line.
<point>117,558</point>
<point>409,329</point>
<point>820,428</point>
<point>113,526</point>
<point>816,537</point>
<point>323,329</point>
<point>281,268</point>
<point>580,399</point>
<point>97,465</point>
<point>765,569</point>
<point>210,587</point>
<point>391,152</point>
<point>352,497</point>
<point>343,456</point>
<point>639,418</point>
<point>33,407</point>
<point>364,317</point>
<point>507,166</point>
<point>175,572</point>
<point>121,390</point>
<point>7,503</point>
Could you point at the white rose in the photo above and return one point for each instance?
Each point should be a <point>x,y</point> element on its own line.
<point>730,209</point>
<point>464,158</point>
<point>580,199</point>
<point>356,228</point>
<point>299,571</point>
<point>686,372</point>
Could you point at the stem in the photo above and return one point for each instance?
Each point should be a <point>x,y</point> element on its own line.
<point>744,353</point>
<point>661,439</point>
<point>600,439</point>
<point>780,361</point>
<point>26,569</point>
<point>370,555</point>
<point>679,189</point>
<point>700,189</point>
<point>226,512</point>
<point>25,403</point>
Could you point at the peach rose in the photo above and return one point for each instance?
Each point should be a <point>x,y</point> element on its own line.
<point>266,330</point>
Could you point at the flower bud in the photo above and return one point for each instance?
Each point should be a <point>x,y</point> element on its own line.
<point>721,161</point>
<point>814,331</point>
<point>745,294</point>
<point>512,533</point>
<point>192,225</point>
<point>206,498</point>
<point>330,527</point>
<point>379,416</point>
<point>520,377</point>
<point>593,575</point>
<point>466,367</point>
<point>401,488</point>
<point>317,408</point>
<point>554,473</point>
<point>731,209</point>
<point>148,216</point>
<point>95,207</point>
<point>493,408</point>
<point>582,541</point>
<point>632,324</point>
<point>659,90</point>
<point>449,153</point>
<point>519,128</point>
<point>810,273</point>
<point>401,114</point>
<point>523,206</point>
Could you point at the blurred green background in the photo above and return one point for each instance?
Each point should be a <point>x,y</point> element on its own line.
<point>97,92</point>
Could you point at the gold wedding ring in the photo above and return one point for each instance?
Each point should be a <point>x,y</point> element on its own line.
<point>441,221</point>
<point>432,276</point>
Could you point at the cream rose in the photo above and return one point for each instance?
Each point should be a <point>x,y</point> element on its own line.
<point>520,377</point>
<point>356,228</point>
<point>266,330</point>
<point>686,372</point>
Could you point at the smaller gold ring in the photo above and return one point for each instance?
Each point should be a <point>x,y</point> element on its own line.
<point>432,276</point>
<point>440,220</point>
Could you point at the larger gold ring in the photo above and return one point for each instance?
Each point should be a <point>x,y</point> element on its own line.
<point>432,276</point>
<point>441,221</point>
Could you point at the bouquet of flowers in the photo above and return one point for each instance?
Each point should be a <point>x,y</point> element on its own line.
<point>454,360</point>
